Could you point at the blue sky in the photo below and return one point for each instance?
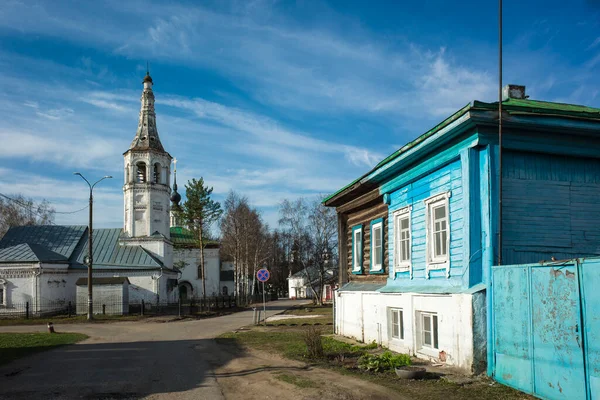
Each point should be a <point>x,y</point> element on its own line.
<point>273,99</point>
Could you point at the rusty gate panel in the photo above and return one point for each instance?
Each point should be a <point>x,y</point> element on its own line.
<point>556,333</point>
<point>590,289</point>
<point>512,327</point>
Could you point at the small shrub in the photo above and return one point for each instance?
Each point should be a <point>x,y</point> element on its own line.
<point>371,346</point>
<point>314,342</point>
<point>384,362</point>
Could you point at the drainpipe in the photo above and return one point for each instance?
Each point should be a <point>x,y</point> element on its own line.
<point>158,285</point>
<point>37,284</point>
<point>490,314</point>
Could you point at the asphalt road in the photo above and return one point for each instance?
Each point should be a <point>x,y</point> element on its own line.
<point>128,360</point>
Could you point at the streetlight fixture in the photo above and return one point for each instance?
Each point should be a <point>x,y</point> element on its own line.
<point>88,259</point>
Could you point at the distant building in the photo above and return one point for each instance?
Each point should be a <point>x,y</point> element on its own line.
<point>41,264</point>
<point>300,284</point>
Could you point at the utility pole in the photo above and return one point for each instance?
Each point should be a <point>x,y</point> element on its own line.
<point>89,259</point>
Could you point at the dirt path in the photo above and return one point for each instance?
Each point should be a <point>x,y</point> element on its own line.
<point>258,375</point>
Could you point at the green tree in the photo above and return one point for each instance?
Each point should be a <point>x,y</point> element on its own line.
<point>199,211</point>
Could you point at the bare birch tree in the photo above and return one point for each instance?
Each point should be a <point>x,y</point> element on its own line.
<point>313,231</point>
<point>17,210</point>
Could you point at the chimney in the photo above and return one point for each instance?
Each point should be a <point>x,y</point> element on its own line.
<point>513,92</point>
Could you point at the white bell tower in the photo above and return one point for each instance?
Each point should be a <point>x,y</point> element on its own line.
<point>147,187</point>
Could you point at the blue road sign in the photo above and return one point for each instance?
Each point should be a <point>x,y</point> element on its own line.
<point>263,275</point>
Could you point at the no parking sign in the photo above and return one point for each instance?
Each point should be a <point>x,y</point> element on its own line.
<point>263,275</point>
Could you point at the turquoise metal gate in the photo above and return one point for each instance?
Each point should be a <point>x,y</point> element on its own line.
<point>544,318</point>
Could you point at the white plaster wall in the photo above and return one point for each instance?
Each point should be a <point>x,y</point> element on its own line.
<point>350,314</point>
<point>372,320</point>
<point>19,290</point>
<point>112,297</point>
<point>142,288</point>
<point>368,310</point>
<point>212,268</point>
<point>296,283</point>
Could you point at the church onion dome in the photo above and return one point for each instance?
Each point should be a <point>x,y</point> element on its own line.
<point>147,78</point>
<point>175,196</point>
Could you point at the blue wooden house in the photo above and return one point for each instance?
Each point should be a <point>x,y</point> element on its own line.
<point>421,227</point>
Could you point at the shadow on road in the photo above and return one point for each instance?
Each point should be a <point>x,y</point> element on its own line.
<point>117,370</point>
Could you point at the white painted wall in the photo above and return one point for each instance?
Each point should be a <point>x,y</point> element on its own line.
<point>364,316</point>
<point>227,266</point>
<point>112,299</point>
<point>212,268</point>
<point>297,288</point>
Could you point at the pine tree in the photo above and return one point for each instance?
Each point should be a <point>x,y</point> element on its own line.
<point>199,211</point>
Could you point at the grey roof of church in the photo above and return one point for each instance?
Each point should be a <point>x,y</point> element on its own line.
<point>68,244</point>
<point>25,252</point>
<point>61,239</point>
<point>107,253</point>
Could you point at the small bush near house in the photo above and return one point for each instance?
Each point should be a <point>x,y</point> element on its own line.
<point>314,342</point>
<point>384,362</point>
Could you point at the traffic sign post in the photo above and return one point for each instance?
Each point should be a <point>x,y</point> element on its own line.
<point>263,275</point>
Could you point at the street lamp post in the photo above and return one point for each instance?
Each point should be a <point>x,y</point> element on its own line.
<point>90,313</point>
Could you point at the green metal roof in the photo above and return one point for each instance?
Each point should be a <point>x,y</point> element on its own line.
<point>55,243</point>
<point>107,252</point>
<point>510,106</point>
<point>55,238</point>
<point>183,237</point>
<point>30,253</point>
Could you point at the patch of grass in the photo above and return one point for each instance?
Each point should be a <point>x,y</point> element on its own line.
<point>17,345</point>
<point>306,321</point>
<point>296,380</point>
<point>287,341</point>
<point>308,309</point>
<point>63,319</point>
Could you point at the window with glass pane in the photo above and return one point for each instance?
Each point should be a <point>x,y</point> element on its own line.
<point>2,296</point>
<point>429,330</point>
<point>440,231</point>
<point>397,324</point>
<point>377,244</point>
<point>356,250</point>
<point>404,236</point>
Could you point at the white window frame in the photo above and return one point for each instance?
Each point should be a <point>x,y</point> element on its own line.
<point>400,314</point>
<point>357,256</point>
<point>402,265</point>
<point>3,294</point>
<point>432,348</point>
<point>377,225</point>
<point>435,263</point>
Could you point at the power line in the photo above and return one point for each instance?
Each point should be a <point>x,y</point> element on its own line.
<point>30,207</point>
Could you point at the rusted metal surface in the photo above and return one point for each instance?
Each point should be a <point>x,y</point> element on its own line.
<point>546,326</point>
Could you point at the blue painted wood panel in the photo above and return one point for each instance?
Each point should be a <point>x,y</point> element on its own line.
<point>445,179</point>
<point>550,207</point>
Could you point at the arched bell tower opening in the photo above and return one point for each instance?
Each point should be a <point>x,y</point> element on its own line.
<point>146,189</point>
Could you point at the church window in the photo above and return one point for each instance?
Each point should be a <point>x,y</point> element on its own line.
<point>3,301</point>
<point>157,173</point>
<point>140,172</point>
<point>127,174</point>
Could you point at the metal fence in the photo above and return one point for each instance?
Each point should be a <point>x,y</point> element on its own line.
<point>192,306</point>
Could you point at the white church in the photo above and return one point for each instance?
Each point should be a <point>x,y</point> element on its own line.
<point>151,256</point>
